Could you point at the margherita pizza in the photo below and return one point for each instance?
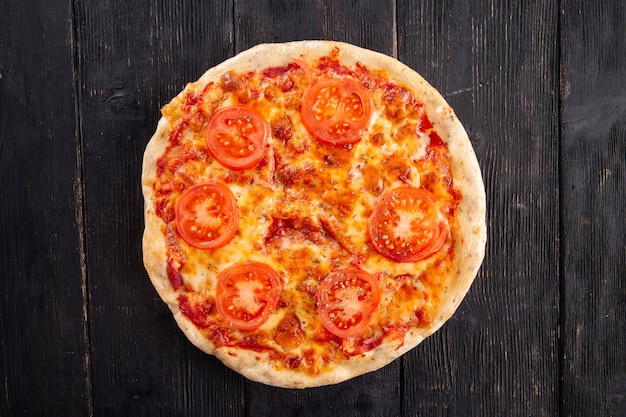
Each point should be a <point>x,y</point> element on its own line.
<point>313,210</point>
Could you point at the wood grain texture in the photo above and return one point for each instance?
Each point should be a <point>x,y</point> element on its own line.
<point>373,394</point>
<point>42,327</point>
<point>366,23</point>
<point>593,174</point>
<point>496,65</point>
<point>540,87</point>
<point>134,58</point>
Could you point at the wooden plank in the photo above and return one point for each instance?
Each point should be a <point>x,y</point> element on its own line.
<point>373,394</point>
<point>44,353</point>
<point>366,23</point>
<point>496,64</point>
<point>593,194</point>
<point>135,57</point>
<point>369,24</point>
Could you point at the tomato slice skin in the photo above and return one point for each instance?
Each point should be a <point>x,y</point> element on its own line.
<point>247,294</point>
<point>306,68</point>
<point>237,136</point>
<point>206,215</point>
<point>336,111</point>
<point>404,225</point>
<point>346,301</point>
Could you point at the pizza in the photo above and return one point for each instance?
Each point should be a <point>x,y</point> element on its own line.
<point>313,211</point>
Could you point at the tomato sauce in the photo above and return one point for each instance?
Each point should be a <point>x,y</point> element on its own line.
<point>307,347</point>
<point>274,72</point>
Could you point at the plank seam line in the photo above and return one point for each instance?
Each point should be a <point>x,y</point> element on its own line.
<point>560,213</point>
<point>234,41</point>
<point>394,29</point>
<point>79,193</point>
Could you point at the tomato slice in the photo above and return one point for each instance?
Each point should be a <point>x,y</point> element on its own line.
<point>247,294</point>
<point>336,111</point>
<point>236,137</point>
<point>346,300</point>
<point>307,70</point>
<point>404,225</point>
<point>206,215</point>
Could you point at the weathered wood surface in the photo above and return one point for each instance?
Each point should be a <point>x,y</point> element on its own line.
<point>498,68</point>
<point>541,89</point>
<point>593,209</point>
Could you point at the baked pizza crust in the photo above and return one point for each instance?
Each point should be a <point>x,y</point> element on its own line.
<point>469,237</point>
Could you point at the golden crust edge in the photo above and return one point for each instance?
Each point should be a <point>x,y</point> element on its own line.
<point>466,173</point>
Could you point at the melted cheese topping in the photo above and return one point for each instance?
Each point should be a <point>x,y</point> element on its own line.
<point>303,211</point>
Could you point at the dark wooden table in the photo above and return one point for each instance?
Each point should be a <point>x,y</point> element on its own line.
<point>541,89</point>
